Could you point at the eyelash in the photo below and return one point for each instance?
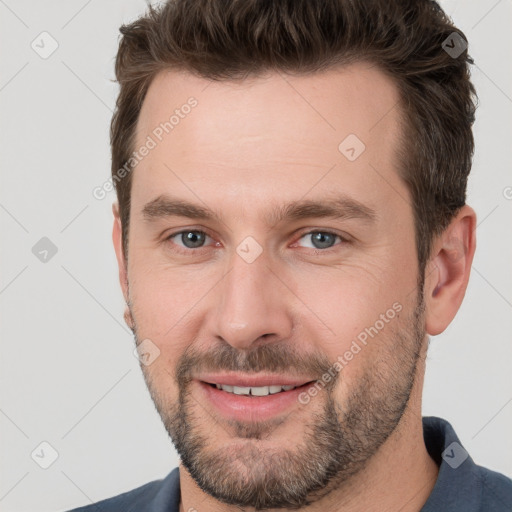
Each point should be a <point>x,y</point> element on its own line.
<point>184,250</point>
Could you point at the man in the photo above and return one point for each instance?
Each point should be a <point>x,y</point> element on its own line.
<point>291,227</point>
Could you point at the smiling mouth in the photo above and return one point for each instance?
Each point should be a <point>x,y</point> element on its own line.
<point>255,391</point>
<point>238,398</point>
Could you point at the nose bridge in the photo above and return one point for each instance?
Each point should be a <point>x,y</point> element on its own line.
<point>249,303</point>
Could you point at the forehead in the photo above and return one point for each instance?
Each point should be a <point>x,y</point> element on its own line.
<point>277,135</point>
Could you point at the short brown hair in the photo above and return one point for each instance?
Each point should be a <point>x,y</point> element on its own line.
<point>235,39</point>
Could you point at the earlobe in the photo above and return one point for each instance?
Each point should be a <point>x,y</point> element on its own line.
<point>449,269</point>
<point>128,318</point>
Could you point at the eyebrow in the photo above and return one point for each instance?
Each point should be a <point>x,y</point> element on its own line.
<point>340,207</point>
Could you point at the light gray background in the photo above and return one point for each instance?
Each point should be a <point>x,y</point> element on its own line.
<point>68,373</point>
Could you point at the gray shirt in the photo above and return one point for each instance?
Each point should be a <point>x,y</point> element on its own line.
<point>461,486</point>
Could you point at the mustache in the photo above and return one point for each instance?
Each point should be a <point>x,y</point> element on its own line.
<point>269,358</point>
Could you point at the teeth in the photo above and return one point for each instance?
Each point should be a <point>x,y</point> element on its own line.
<point>254,391</point>
<point>260,391</point>
<point>241,391</point>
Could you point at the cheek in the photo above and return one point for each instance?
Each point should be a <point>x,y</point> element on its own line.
<point>163,302</point>
<point>161,311</point>
<point>351,304</point>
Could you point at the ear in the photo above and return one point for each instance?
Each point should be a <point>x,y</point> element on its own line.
<point>447,274</point>
<point>117,239</point>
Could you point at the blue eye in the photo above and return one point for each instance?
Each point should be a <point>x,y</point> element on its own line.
<point>195,239</point>
<point>190,239</point>
<point>322,239</point>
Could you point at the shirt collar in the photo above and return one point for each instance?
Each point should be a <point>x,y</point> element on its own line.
<point>458,485</point>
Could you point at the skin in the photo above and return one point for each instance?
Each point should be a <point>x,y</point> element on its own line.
<point>272,140</point>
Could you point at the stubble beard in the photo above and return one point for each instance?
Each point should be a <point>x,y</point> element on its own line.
<point>334,445</point>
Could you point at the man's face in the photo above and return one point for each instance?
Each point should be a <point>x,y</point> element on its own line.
<point>270,290</point>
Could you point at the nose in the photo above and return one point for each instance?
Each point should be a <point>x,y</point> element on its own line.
<point>252,305</point>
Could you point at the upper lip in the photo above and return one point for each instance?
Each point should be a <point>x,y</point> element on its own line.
<point>255,380</point>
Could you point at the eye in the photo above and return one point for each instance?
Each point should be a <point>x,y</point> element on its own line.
<point>196,239</point>
<point>321,239</point>
<point>190,239</point>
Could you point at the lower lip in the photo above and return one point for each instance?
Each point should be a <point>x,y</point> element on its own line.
<point>252,408</point>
